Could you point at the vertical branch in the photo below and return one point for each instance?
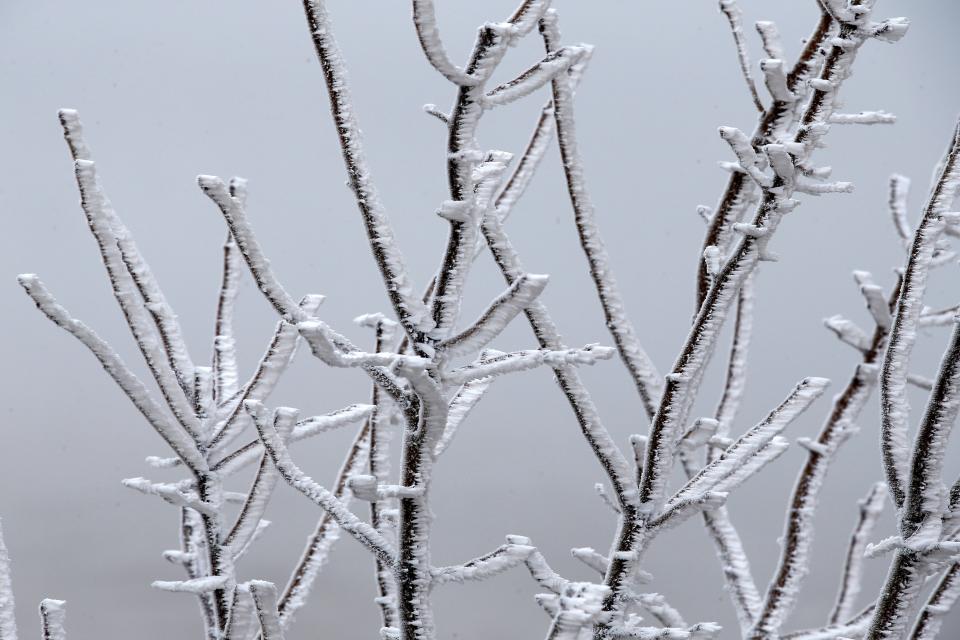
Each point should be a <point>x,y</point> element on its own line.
<point>410,311</point>
<point>192,545</point>
<point>264,596</point>
<point>378,426</point>
<point>731,10</point>
<point>416,465</point>
<point>225,378</point>
<point>870,508</point>
<point>737,362</point>
<point>52,615</point>
<point>894,406</point>
<point>641,369</point>
<point>771,123</point>
<point>798,535</point>
<point>219,557</point>
<point>8,622</point>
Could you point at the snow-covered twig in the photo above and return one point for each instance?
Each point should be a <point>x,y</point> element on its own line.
<point>248,453</point>
<point>52,615</point>
<point>408,308</point>
<point>224,344</point>
<point>771,123</point>
<point>731,10</point>
<point>425,20</point>
<point>273,445</point>
<point>264,482</point>
<point>320,542</point>
<point>895,409</point>
<point>870,508</point>
<point>515,552</point>
<point>264,595</point>
<point>730,467</point>
<point>839,426</point>
<point>523,360</point>
<point>178,439</point>
<point>115,241</point>
<point>940,602</point>
<point>638,363</point>
<point>497,316</point>
<point>8,622</point>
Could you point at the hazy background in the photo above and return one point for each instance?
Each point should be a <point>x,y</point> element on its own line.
<point>170,90</point>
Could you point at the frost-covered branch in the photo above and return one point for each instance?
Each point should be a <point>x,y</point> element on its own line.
<point>320,542</point>
<point>410,311</point>
<point>895,409</point>
<point>115,241</point>
<point>938,605</point>
<point>731,10</point>
<point>515,552</point>
<point>174,435</point>
<point>839,426</point>
<point>264,595</point>
<point>52,616</point>
<point>644,374</point>
<point>870,508</point>
<point>8,622</point>
<point>273,445</point>
<point>523,360</point>
<point>497,316</point>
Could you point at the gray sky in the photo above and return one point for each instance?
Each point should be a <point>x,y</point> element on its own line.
<point>171,90</point>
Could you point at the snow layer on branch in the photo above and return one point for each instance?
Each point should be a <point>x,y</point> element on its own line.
<point>524,360</point>
<point>361,531</point>
<point>770,36</point>
<point>553,64</point>
<point>136,268</point>
<point>206,584</point>
<point>745,456</point>
<point>894,404</point>
<point>53,613</point>
<point>925,497</point>
<point>226,378</point>
<point>8,623</point>
<point>248,453</point>
<point>181,443</point>
<point>460,407</point>
<point>425,20</point>
<point>171,493</point>
<point>864,117</point>
<point>497,315</point>
<point>326,533</point>
<point>848,332</point>
<point>851,581</point>
<point>235,215</point>
<point>272,365</point>
<point>406,303</point>
<point>264,595</point>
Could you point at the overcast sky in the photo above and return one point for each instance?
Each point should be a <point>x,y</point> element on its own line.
<point>170,90</point>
